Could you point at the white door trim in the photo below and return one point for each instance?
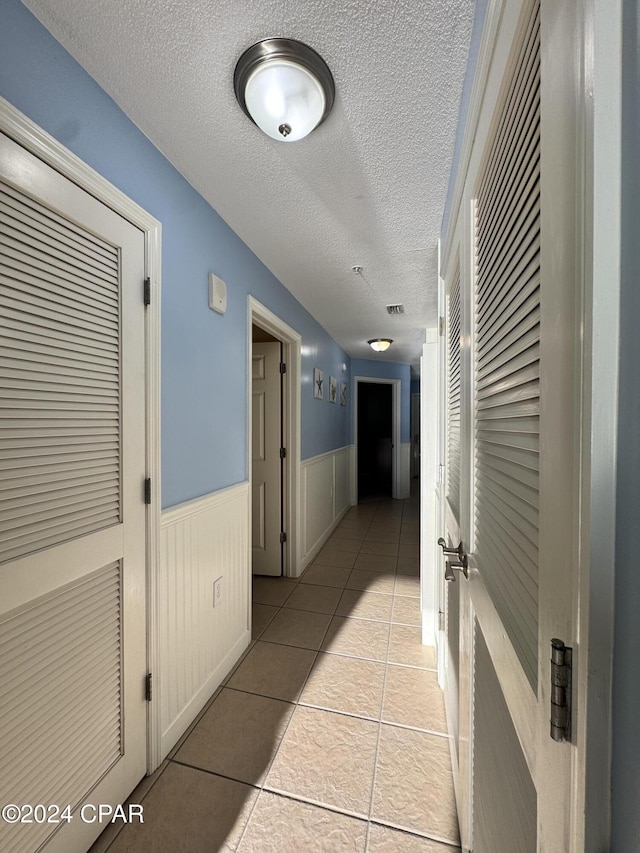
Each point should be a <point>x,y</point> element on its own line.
<point>44,146</point>
<point>396,485</point>
<point>261,316</point>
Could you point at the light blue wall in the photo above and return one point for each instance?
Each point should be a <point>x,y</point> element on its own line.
<point>625,798</point>
<point>388,370</point>
<point>204,355</point>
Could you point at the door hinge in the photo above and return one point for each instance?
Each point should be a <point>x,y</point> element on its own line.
<point>283,367</point>
<point>440,620</point>
<point>148,688</point>
<point>283,453</point>
<point>441,326</point>
<point>147,291</point>
<point>560,690</point>
<point>283,538</point>
<point>147,490</point>
<point>441,474</point>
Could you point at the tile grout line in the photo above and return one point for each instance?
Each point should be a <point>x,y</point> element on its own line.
<point>297,705</point>
<point>261,788</point>
<point>379,733</point>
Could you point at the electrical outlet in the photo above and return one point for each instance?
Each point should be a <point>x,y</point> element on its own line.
<point>217,592</point>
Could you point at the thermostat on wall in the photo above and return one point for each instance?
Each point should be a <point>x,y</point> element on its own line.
<point>217,294</point>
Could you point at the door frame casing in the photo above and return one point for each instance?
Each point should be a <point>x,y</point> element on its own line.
<point>395,425</point>
<point>259,315</point>
<point>46,148</point>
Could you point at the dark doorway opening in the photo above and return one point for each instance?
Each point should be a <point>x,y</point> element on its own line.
<point>375,441</point>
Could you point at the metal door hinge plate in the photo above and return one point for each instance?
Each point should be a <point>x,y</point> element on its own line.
<point>147,490</point>
<point>147,291</point>
<point>561,656</point>
<point>283,453</point>
<point>283,367</point>
<point>283,537</point>
<point>148,691</point>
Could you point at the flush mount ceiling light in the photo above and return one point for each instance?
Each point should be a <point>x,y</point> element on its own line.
<point>284,87</point>
<point>380,344</point>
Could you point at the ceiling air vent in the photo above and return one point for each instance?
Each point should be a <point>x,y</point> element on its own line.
<point>395,309</point>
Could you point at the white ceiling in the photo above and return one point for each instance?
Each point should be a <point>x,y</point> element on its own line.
<point>367,188</point>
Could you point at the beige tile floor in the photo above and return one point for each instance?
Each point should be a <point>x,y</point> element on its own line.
<point>330,734</point>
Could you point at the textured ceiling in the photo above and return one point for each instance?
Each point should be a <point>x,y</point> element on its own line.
<point>367,187</point>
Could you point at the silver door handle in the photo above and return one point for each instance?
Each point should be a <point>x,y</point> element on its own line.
<point>461,566</point>
<point>459,551</point>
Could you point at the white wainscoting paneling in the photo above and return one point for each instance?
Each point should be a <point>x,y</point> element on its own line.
<point>201,540</point>
<point>326,495</point>
<point>342,482</point>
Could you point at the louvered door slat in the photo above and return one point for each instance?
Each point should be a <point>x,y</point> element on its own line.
<point>507,373</point>
<point>513,534</point>
<point>53,452</point>
<point>513,196</point>
<point>56,243</point>
<point>519,277</point>
<point>35,293</point>
<point>21,271</point>
<point>453,391</point>
<point>520,167</point>
<point>42,264</point>
<point>516,596</point>
<point>38,226</point>
<point>64,315</point>
<point>22,444</point>
<point>515,506</point>
<point>509,361</point>
<point>41,337</point>
<point>59,371</point>
<point>14,546</point>
<point>516,243</point>
<point>73,634</point>
<point>53,389</point>
<point>511,342</point>
<point>19,684</point>
<point>76,508</point>
<point>66,230</point>
<point>521,310</point>
<point>522,73</point>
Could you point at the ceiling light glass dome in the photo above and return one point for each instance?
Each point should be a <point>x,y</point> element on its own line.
<point>284,87</point>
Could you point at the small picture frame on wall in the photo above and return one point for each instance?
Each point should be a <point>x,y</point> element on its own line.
<point>343,393</point>
<point>318,383</point>
<point>333,389</point>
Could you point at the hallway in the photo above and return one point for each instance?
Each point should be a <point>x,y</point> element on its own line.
<point>330,733</point>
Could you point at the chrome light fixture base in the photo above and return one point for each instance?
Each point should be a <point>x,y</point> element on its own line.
<point>380,344</point>
<point>311,87</point>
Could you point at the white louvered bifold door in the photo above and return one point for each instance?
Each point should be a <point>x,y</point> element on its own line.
<point>505,405</point>
<point>520,248</point>
<point>72,517</point>
<point>507,353</point>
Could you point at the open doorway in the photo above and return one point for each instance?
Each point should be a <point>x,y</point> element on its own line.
<point>375,442</point>
<point>267,454</point>
<point>377,436</point>
<point>274,352</point>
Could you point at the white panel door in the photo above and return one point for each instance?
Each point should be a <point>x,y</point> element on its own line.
<point>266,464</point>
<point>72,514</point>
<point>514,785</point>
